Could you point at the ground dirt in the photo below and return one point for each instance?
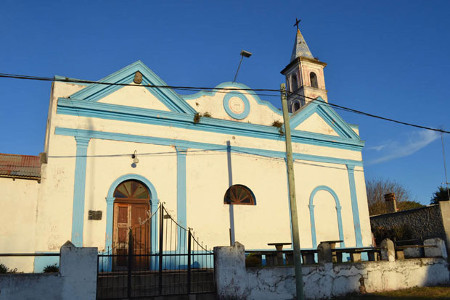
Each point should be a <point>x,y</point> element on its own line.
<point>419,293</point>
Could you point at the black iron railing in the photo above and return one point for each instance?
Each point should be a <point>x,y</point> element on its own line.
<point>174,263</point>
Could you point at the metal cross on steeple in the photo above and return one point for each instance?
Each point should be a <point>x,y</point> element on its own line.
<point>296,22</point>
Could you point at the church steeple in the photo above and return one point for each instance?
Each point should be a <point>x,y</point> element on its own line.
<point>300,47</point>
<point>304,75</point>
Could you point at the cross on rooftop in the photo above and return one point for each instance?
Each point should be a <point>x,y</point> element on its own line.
<point>296,22</point>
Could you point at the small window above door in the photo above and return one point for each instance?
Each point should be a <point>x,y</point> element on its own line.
<point>132,189</point>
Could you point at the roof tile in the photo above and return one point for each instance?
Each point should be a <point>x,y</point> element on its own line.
<point>15,165</point>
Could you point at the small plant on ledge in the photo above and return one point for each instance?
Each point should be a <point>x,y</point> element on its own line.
<point>278,125</point>
<point>51,269</point>
<point>197,118</point>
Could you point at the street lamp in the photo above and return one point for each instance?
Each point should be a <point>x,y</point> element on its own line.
<point>243,54</point>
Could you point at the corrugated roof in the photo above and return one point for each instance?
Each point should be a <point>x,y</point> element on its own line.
<point>22,166</point>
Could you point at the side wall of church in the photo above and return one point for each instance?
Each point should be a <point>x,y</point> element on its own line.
<point>18,218</point>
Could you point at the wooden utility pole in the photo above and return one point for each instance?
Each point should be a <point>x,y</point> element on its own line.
<point>292,200</point>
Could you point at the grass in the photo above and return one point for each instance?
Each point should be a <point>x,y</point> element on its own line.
<point>437,292</point>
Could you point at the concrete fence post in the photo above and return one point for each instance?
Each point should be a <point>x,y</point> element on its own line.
<point>230,272</point>
<point>387,250</point>
<point>437,248</point>
<point>78,267</point>
<point>324,253</point>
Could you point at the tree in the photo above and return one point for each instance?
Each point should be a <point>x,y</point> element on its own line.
<point>440,195</point>
<point>377,188</point>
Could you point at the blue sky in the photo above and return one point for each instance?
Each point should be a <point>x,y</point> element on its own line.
<point>385,57</point>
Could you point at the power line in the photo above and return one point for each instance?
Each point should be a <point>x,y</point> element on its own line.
<point>218,90</point>
<point>190,88</point>
<point>373,115</point>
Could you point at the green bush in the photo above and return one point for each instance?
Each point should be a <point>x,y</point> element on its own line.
<point>51,269</point>
<point>395,233</point>
<point>4,269</point>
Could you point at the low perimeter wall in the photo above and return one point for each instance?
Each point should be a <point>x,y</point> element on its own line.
<point>77,278</point>
<point>321,281</point>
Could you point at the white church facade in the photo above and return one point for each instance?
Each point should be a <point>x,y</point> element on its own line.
<point>113,149</point>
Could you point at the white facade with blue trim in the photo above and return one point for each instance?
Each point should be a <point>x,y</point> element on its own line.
<point>92,130</point>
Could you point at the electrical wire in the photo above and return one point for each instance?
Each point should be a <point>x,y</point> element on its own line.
<point>220,90</point>
<point>371,115</point>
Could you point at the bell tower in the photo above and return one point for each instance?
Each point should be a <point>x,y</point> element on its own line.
<point>305,79</point>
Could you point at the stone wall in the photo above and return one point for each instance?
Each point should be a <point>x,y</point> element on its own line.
<point>425,222</point>
<point>77,278</point>
<point>321,281</point>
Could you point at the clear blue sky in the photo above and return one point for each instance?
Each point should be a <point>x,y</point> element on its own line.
<point>385,57</point>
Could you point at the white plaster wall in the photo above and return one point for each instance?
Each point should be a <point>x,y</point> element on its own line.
<point>18,216</point>
<point>325,217</point>
<point>54,219</point>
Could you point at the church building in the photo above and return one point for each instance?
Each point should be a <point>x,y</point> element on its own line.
<point>114,152</point>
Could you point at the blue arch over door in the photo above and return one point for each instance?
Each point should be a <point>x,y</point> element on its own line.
<point>110,208</point>
<point>311,214</point>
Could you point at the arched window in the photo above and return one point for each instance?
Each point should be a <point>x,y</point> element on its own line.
<point>294,84</point>
<point>296,106</point>
<point>239,194</point>
<point>132,189</point>
<point>313,79</point>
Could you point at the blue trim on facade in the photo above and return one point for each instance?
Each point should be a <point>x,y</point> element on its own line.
<point>328,114</point>
<point>226,105</point>
<point>181,194</point>
<point>79,188</point>
<point>95,92</point>
<point>355,209</point>
<point>110,209</point>
<point>185,121</point>
<point>338,214</point>
<point>198,145</point>
<point>237,86</point>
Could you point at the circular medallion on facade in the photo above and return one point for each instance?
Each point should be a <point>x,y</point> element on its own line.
<point>236,105</point>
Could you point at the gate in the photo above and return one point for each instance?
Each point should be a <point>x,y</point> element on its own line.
<point>171,263</point>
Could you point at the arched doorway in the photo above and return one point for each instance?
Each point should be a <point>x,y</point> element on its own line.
<point>131,225</point>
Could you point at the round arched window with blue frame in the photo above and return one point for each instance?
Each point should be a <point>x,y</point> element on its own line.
<point>236,105</point>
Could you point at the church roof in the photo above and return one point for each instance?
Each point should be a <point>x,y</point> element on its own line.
<point>300,47</point>
<point>22,166</point>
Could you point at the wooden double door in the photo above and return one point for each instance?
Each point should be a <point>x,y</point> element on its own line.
<point>132,226</point>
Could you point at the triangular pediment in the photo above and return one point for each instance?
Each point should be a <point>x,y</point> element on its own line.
<point>316,124</point>
<point>319,117</point>
<point>141,95</point>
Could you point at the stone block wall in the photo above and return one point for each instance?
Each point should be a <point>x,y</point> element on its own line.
<point>425,222</point>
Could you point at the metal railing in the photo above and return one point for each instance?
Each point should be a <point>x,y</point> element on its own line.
<point>173,263</point>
